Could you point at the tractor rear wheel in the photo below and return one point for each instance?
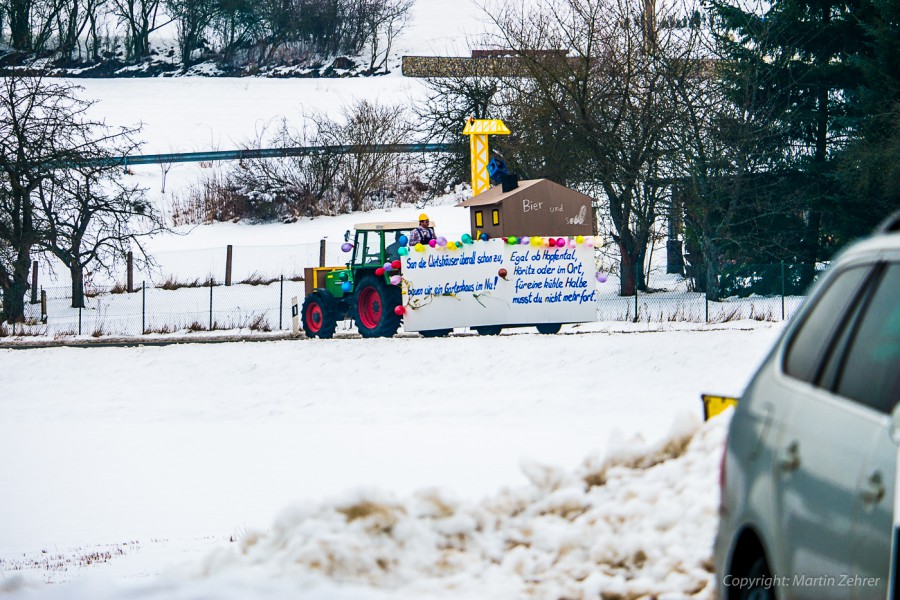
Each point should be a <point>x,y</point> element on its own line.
<point>373,308</point>
<point>549,328</point>
<point>320,315</point>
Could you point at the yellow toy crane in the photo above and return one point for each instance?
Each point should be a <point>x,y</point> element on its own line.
<point>478,131</point>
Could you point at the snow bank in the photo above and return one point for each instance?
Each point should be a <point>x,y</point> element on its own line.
<point>639,523</point>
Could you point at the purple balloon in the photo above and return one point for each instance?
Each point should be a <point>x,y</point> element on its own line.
<point>387,266</point>
<point>441,241</point>
<point>346,246</point>
<point>524,241</point>
<point>396,279</point>
<point>601,277</point>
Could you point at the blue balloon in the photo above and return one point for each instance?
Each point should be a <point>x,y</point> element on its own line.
<point>403,240</point>
<point>347,286</point>
<point>484,237</point>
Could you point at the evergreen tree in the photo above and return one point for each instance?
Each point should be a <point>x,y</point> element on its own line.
<point>805,58</point>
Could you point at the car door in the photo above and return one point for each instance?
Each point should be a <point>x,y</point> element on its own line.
<point>821,450</point>
<point>869,375</point>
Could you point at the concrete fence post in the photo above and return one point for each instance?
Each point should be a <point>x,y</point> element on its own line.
<point>129,285</point>
<point>322,253</point>
<point>34,282</point>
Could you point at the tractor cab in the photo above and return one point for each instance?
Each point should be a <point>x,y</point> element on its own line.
<point>377,243</point>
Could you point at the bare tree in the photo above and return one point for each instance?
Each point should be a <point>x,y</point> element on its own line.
<point>140,17</point>
<point>361,173</point>
<point>384,21</point>
<point>93,219</point>
<point>44,132</point>
<point>601,69</point>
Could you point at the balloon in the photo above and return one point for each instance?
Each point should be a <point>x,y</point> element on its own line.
<point>396,264</point>
<point>403,240</point>
<point>396,279</point>
<point>579,239</point>
<point>502,273</point>
<point>343,276</point>
<point>432,243</point>
<point>346,246</point>
<point>441,241</point>
<point>536,241</point>
<point>572,244</point>
<point>379,271</point>
<point>484,237</point>
<point>589,242</point>
<point>466,238</point>
<point>524,241</point>
<point>346,287</point>
<point>451,245</point>
<point>399,310</point>
<point>546,243</point>
<point>551,242</point>
<point>388,266</point>
<point>419,248</point>
<point>601,277</point>
<point>513,240</point>
<point>560,242</point>
<point>402,251</point>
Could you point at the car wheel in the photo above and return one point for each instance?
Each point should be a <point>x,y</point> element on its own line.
<point>489,329</point>
<point>549,328</point>
<point>373,306</point>
<point>757,576</point>
<point>320,315</point>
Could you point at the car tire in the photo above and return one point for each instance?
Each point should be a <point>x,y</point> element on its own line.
<point>320,315</point>
<point>374,303</point>
<point>757,574</point>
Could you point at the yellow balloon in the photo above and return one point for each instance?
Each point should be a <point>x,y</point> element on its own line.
<point>536,241</point>
<point>419,248</point>
<point>579,239</point>
<point>451,245</point>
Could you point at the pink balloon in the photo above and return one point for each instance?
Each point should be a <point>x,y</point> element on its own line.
<point>589,242</point>
<point>561,242</point>
<point>432,243</point>
<point>396,279</point>
<point>572,243</point>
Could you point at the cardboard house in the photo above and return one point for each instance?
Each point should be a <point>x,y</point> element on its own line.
<point>530,207</point>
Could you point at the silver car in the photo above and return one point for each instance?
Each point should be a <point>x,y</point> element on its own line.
<point>809,468</point>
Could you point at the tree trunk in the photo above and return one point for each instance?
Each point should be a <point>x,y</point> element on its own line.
<point>20,25</point>
<point>14,299</point>
<point>628,281</point>
<point>77,286</point>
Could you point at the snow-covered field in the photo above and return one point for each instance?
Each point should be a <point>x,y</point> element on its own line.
<point>515,466</point>
<point>387,468</point>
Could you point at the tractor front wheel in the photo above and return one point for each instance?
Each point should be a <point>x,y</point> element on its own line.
<point>373,307</point>
<point>320,315</point>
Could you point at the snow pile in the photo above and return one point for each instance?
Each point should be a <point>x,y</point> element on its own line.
<point>639,523</point>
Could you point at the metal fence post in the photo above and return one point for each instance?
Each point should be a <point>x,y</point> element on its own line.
<point>228,256</point>
<point>635,292</point>
<point>143,307</point>
<point>79,320</point>
<point>706,294</point>
<point>129,275</point>
<point>280,302</point>
<point>210,302</point>
<point>782,290</point>
<point>34,282</point>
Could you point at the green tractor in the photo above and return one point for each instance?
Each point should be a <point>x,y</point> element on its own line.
<point>356,291</point>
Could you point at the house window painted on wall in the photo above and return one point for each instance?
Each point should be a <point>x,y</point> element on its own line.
<point>479,218</point>
<point>495,216</point>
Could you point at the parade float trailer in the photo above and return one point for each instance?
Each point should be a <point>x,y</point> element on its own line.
<point>477,281</point>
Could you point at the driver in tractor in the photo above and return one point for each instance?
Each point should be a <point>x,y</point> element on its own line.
<point>422,234</point>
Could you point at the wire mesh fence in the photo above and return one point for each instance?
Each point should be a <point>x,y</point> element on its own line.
<point>251,288</point>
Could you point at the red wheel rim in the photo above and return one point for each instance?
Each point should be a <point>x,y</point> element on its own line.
<point>370,307</point>
<point>314,317</point>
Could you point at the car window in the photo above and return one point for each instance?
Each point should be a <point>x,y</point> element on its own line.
<point>871,368</point>
<point>812,339</point>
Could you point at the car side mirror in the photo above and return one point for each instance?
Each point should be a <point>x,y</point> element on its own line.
<point>895,424</point>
